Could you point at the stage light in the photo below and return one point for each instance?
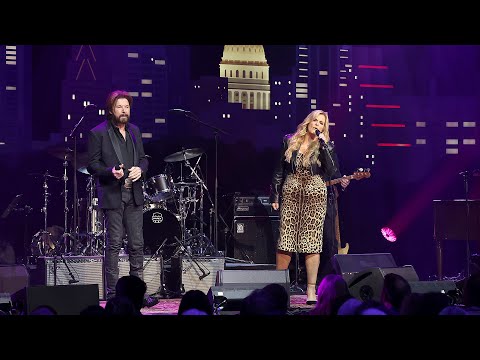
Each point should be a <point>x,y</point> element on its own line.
<point>389,234</point>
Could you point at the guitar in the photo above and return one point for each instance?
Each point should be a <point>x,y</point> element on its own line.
<point>357,175</point>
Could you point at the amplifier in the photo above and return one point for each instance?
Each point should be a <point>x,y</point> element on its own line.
<point>256,239</point>
<point>201,273</point>
<point>85,269</point>
<point>152,270</point>
<point>253,206</point>
<point>89,270</point>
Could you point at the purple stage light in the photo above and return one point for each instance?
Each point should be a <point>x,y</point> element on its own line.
<point>389,234</point>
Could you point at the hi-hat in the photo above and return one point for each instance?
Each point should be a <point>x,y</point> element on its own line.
<point>46,175</point>
<point>184,155</point>
<point>65,153</point>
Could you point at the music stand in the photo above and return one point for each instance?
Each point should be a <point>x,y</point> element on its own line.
<point>450,223</point>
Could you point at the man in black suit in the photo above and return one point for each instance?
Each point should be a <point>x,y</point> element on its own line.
<point>118,162</point>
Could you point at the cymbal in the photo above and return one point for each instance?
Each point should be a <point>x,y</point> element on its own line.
<point>184,155</point>
<point>46,175</point>
<point>83,170</point>
<point>60,152</point>
<point>183,183</point>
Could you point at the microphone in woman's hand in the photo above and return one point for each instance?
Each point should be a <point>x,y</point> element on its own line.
<point>317,132</point>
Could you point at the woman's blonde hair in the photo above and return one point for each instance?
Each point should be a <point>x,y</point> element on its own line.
<point>297,138</point>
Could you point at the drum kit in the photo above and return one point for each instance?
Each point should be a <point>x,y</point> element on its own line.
<point>172,211</point>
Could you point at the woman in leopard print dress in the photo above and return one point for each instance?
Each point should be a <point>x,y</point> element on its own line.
<point>298,181</point>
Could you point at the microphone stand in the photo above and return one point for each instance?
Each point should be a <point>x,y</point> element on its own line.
<point>192,116</point>
<point>75,186</point>
<point>465,175</point>
<point>186,251</point>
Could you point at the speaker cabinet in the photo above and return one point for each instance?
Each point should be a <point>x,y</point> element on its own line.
<point>256,238</point>
<point>85,270</point>
<point>13,278</point>
<point>89,270</point>
<point>199,273</point>
<point>152,270</point>
<point>235,285</point>
<point>368,284</point>
<point>64,299</point>
<point>348,265</point>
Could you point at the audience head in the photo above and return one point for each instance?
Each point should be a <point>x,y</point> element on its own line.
<point>269,300</point>
<point>395,289</point>
<point>331,288</point>
<point>195,302</point>
<point>43,310</point>
<point>133,288</point>
<point>121,306</point>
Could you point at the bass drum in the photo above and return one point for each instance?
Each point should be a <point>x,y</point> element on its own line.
<point>160,227</point>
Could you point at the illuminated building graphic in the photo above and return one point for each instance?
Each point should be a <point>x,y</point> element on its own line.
<point>247,71</point>
<point>15,98</point>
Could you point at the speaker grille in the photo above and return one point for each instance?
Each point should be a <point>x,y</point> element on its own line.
<point>85,269</point>
<point>152,269</point>
<point>193,278</point>
<point>256,239</point>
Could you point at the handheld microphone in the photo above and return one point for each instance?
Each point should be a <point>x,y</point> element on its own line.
<point>317,132</point>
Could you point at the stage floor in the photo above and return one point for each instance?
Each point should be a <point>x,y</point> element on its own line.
<point>170,306</point>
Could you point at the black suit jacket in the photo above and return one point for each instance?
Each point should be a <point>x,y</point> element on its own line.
<point>104,154</point>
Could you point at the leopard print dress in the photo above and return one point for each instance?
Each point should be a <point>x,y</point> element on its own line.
<point>304,204</point>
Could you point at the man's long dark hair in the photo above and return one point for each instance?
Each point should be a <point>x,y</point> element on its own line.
<point>113,97</point>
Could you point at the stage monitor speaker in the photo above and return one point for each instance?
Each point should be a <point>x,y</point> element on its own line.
<point>368,284</point>
<point>441,286</point>
<point>256,238</point>
<point>152,270</point>
<point>13,278</point>
<point>85,270</point>
<point>235,285</point>
<point>348,265</point>
<point>64,299</point>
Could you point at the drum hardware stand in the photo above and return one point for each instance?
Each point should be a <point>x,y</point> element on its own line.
<point>216,130</point>
<point>44,209</point>
<point>202,186</point>
<point>75,187</point>
<point>65,204</point>
<point>92,220</point>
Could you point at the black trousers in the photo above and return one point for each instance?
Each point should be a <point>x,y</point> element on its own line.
<point>330,246</point>
<point>128,219</point>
